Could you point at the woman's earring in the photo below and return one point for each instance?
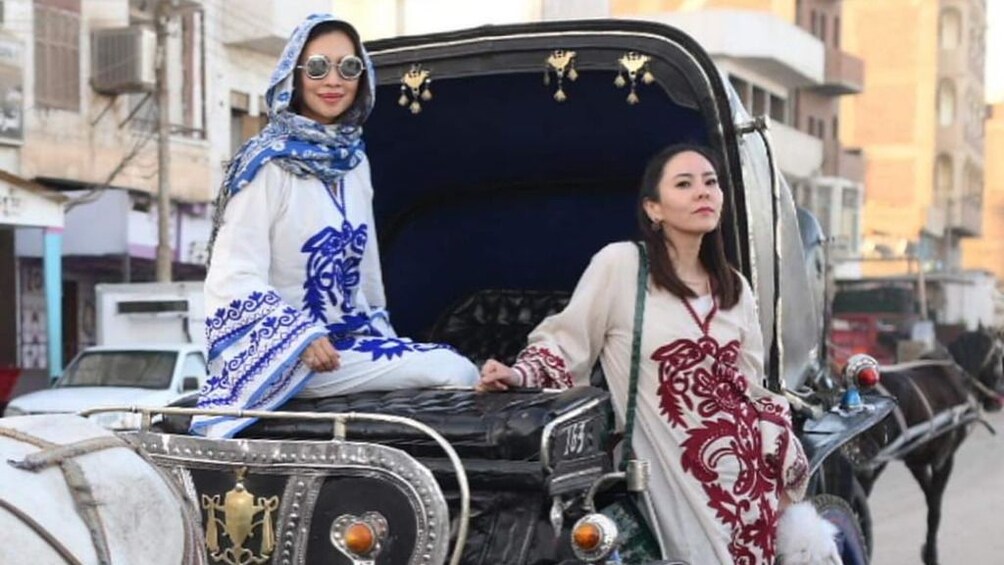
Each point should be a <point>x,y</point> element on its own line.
<point>656,225</point>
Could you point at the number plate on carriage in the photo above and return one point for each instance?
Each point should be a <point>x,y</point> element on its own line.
<point>576,456</point>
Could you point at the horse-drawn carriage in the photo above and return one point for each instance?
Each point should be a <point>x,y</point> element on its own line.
<point>504,157</point>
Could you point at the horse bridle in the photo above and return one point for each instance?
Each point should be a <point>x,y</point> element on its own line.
<point>983,389</point>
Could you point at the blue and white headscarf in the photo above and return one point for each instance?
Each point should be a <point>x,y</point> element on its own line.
<point>296,143</point>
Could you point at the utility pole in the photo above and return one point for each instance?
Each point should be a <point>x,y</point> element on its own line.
<point>164,252</point>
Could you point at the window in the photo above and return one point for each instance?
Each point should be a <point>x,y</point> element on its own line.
<point>946,102</point>
<point>143,369</point>
<point>816,128</point>
<point>949,29</point>
<point>943,173</point>
<point>242,124</point>
<point>850,215</point>
<point>759,101</point>
<point>821,129</point>
<point>57,54</point>
<point>823,205</point>
<point>814,23</point>
<point>835,130</point>
<point>822,27</point>
<point>195,366</point>
<point>778,109</point>
<point>836,32</point>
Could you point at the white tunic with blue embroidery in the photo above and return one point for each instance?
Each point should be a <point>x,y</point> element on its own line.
<point>294,261</point>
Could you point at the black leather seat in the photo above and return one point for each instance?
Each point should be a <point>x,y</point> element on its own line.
<point>495,323</point>
<point>501,426</point>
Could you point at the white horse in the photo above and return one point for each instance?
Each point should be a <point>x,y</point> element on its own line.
<point>73,492</point>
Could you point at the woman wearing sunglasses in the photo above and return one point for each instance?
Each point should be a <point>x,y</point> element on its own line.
<point>294,286</point>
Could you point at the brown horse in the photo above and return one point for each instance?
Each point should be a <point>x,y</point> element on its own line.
<point>939,400</point>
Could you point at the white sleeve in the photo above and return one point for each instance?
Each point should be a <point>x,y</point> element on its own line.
<point>751,351</point>
<point>242,253</point>
<point>254,338</point>
<point>562,350</point>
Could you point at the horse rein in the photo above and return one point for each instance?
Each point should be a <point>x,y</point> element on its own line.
<point>27,520</point>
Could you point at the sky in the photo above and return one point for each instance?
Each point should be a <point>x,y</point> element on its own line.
<point>995,51</point>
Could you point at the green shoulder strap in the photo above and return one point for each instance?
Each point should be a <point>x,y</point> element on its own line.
<point>639,317</point>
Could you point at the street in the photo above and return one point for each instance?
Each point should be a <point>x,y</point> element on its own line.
<point>972,529</point>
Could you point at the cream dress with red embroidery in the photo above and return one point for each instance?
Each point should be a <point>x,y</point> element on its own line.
<point>720,444</point>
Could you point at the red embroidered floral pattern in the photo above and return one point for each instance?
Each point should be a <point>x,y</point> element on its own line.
<point>729,434</point>
<point>541,367</point>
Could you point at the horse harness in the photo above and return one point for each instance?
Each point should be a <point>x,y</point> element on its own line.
<point>52,454</point>
<point>980,387</point>
<point>934,424</point>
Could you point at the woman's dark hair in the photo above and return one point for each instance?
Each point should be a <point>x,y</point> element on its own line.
<point>296,103</point>
<point>725,281</point>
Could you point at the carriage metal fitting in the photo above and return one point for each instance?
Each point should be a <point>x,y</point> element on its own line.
<point>758,124</point>
<point>594,537</point>
<point>360,538</point>
<point>861,371</point>
<point>637,474</point>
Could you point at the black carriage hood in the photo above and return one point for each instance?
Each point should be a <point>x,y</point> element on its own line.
<point>482,179</point>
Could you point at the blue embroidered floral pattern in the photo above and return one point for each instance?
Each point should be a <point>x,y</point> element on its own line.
<point>229,324</point>
<point>391,347</point>
<point>271,338</point>
<point>333,277</point>
<point>333,263</point>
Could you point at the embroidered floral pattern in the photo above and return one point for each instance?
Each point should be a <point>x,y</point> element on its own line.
<point>542,367</point>
<point>269,340</point>
<point>230,323</point>
<point>734,446</point>
<point>333,261</point>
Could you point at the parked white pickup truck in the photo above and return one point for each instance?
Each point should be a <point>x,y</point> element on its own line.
<point>151,353</point>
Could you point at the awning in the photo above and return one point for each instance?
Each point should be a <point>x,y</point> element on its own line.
<point>29,204</point>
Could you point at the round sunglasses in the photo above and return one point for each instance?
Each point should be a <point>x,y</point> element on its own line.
<point>317,67</point>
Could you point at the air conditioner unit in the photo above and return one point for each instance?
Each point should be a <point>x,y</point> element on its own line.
<point>123,59</point>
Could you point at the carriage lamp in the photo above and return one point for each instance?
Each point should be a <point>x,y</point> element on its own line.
<point>593,537</point>
<point>861,372</point>
<point>359,537</point>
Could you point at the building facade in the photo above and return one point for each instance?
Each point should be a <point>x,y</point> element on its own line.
<point>921,122</point>
<point>785,60</point>
<point>987,252</point>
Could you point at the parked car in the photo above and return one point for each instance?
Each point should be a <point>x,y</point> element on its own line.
<point>142,375</point>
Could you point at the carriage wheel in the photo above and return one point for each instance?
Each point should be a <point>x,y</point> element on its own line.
<point>851,540</point>
<point>859,504</point>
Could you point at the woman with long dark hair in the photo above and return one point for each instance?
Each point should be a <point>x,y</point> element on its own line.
<point>721,446</point>
<point>294,282</point>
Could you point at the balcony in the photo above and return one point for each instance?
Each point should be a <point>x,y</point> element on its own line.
<point>844,74</point>
<point>843,162</point>
<point>273,21</point>
<point>762,42</point>
<point>967,217</point>
<point>799,154</point>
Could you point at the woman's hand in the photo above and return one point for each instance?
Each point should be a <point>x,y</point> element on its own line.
<point>321,356</point>
<point>495,376</point>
